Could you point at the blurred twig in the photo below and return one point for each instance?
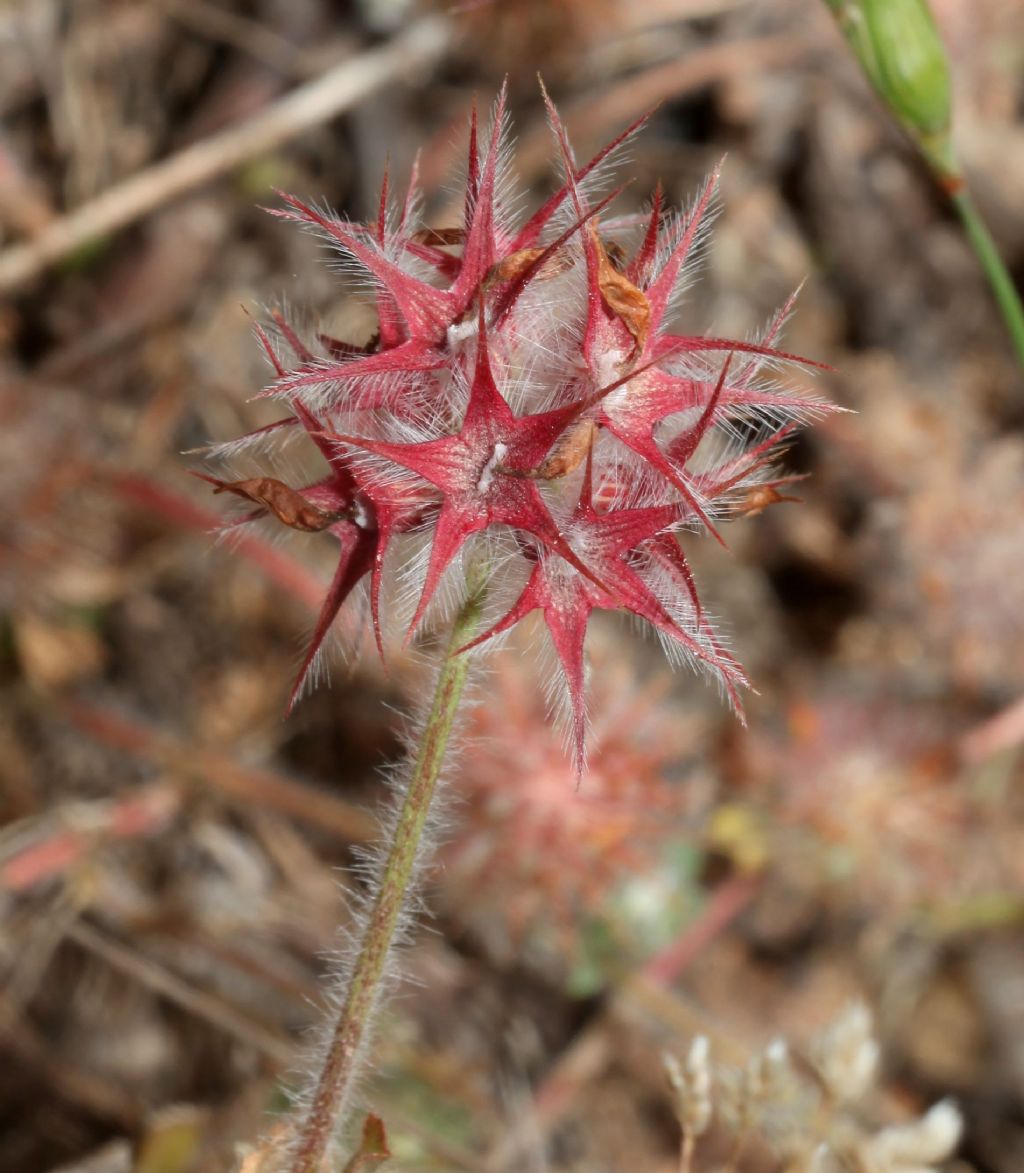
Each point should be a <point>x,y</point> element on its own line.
<point>24,205</point>
<point>259,787</point>
<point>66,1078</point>
<point>80,827</point>
<point>286,572</point>
<point>307,106</point>
<point>169,985</point>
<point>1002,732</point>
<point>618,103</point>
<point>243,33</point>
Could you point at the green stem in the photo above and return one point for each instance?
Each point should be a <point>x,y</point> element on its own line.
<point>350,1030</point>
<point>984,246</point>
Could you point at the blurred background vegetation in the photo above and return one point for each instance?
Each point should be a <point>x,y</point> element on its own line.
<point>171,846</point>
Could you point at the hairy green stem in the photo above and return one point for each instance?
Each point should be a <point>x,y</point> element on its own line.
<point>1006,295</point>
<point>350,1030</point>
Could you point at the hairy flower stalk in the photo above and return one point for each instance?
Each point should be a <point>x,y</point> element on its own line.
<point>349,1031</point>
<point>525,406</point>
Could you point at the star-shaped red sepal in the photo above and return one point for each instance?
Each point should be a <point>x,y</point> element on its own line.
<point>626,313</point>
<point>379,513</point>
<point>357,547</point>
<point>485,472</point>
<point>414,315</point>
<point>610,541</point>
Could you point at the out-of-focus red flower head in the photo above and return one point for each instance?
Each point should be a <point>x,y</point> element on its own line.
<point>535,855</point>
<point>525,402</point>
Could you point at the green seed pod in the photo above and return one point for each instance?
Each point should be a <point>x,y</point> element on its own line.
<point>913,73</point>
<point>899,48</point>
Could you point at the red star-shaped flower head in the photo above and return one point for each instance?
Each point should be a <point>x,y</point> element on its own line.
<point>526,401</point>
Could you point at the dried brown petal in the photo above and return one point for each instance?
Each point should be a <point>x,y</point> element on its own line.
<point>758,499</point>
<point>621,296</point>
<point>570,452</point>
<point>290,508</point>
<point>516,264</point>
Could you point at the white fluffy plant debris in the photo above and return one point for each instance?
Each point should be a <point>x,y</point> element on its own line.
<point>806,1107</point>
